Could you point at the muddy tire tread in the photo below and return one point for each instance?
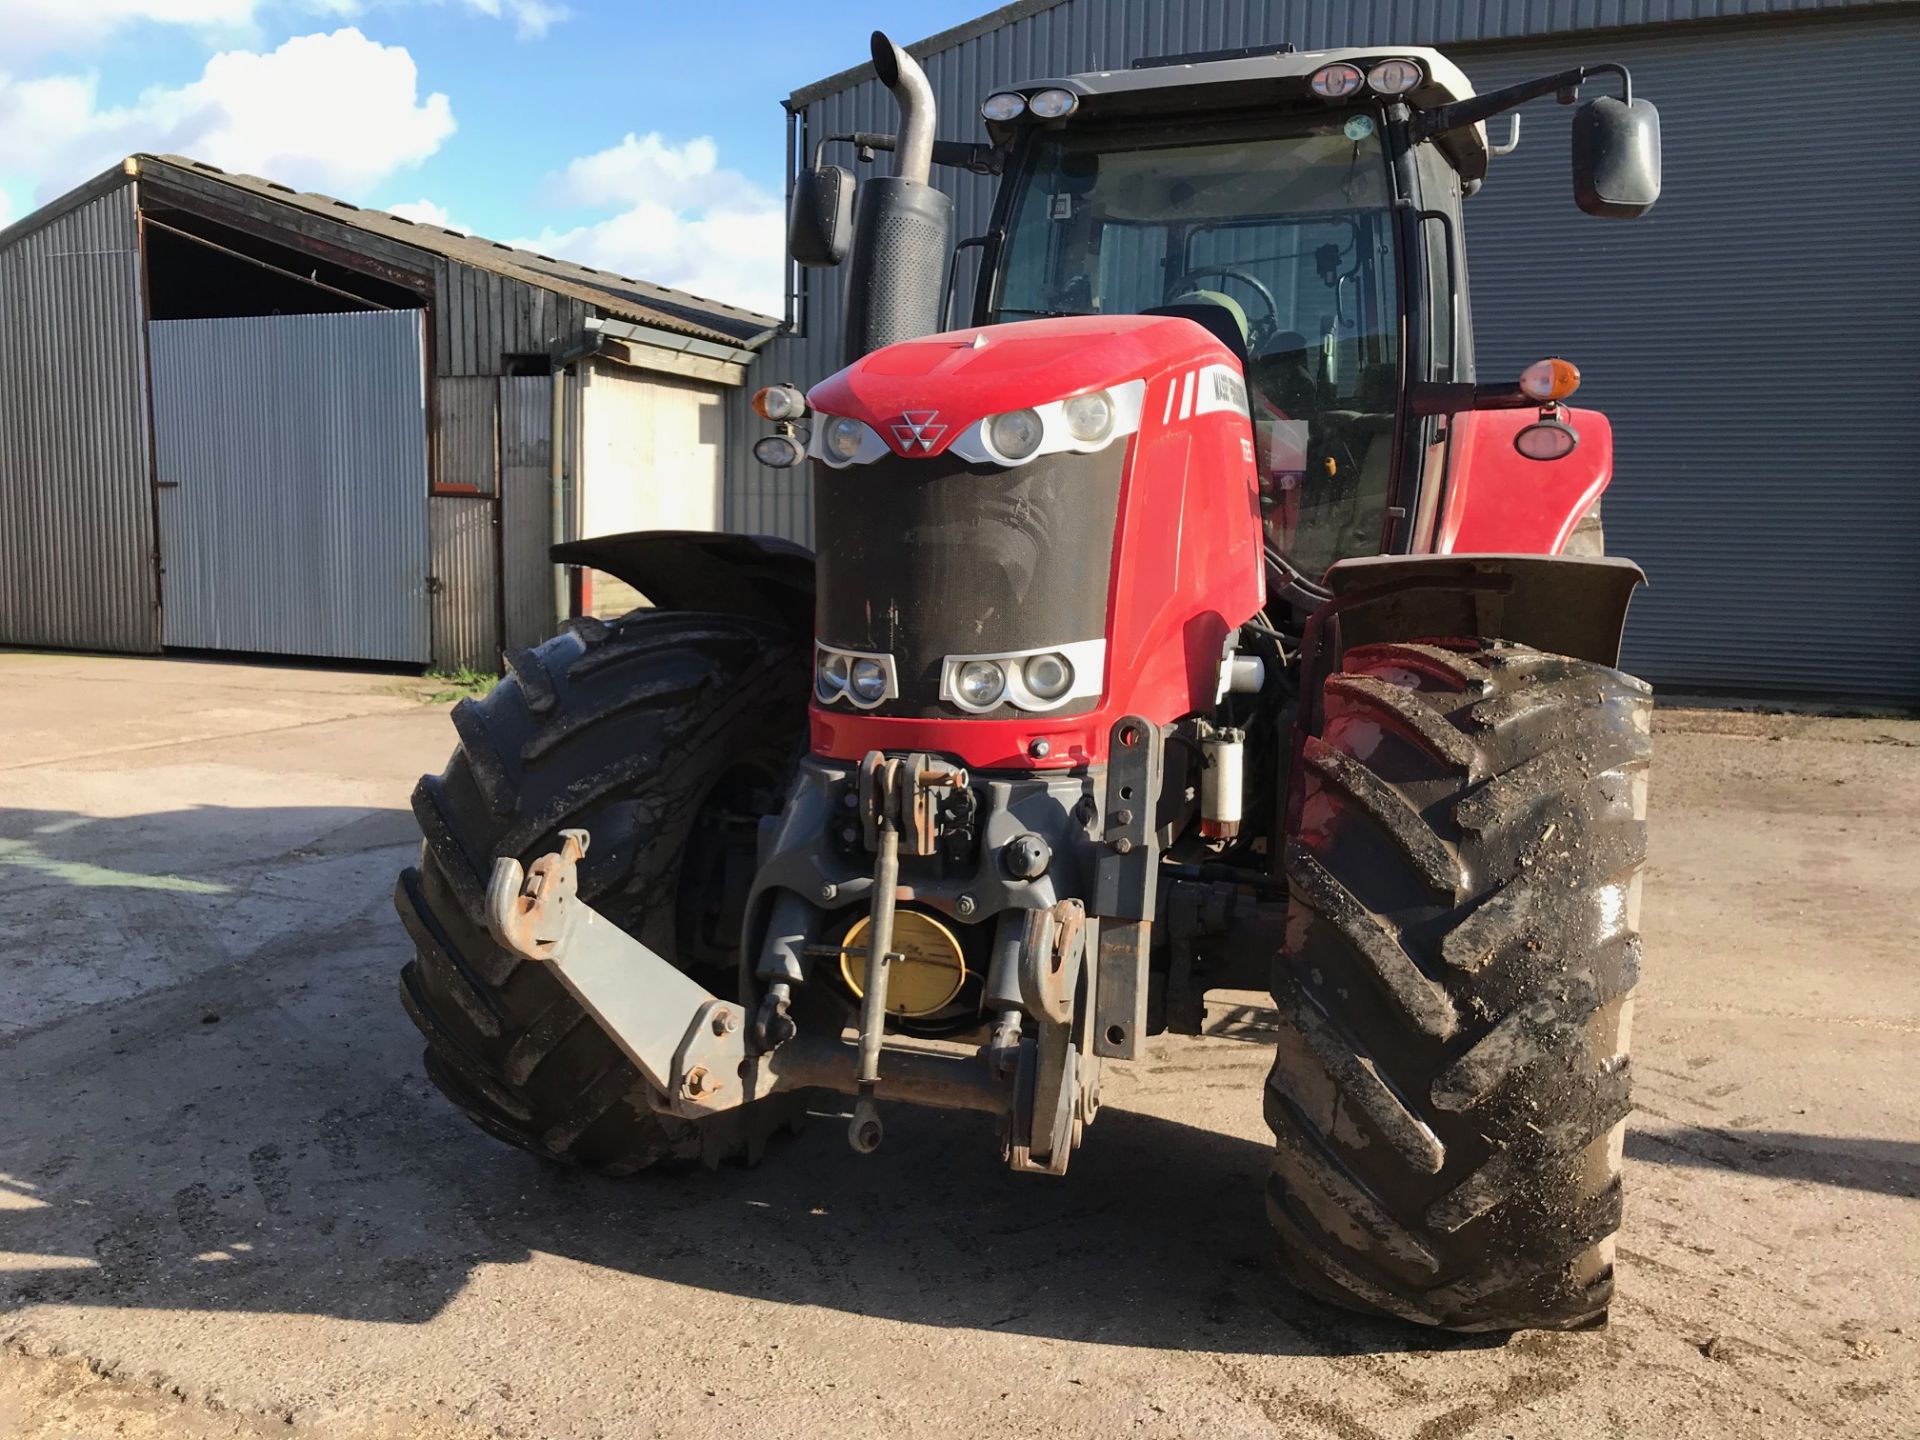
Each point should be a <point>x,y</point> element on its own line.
<point>1462,1175</point>
<point>623,748</point>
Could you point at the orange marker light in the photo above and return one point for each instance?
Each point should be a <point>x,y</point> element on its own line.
<point>779,402</point>
<point>1550,380</point>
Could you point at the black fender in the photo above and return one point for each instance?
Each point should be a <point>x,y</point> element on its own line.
<point>1567,605</point>
<point>759,576</point>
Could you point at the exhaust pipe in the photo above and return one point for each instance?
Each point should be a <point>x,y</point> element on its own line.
<point>903,227</point>
<point>901,73</point>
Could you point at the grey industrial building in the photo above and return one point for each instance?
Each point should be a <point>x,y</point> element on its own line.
<point>1753,338</point>
<point>235,417</point>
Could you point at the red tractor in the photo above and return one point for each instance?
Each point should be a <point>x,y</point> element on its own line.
<point>1191,621</point>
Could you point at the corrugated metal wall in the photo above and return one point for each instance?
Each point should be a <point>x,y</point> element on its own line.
<point>466,434</point>
<point>76,496</point>
<point>465,590</point>
<point>1753,339</point>
<point>1738,602</point>
<point>291,455</point>
<point>526,508</point>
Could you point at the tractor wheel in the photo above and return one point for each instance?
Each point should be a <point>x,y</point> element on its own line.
<point>1589,535</point>
<point>1450,1095</point>
<point>666,735</point>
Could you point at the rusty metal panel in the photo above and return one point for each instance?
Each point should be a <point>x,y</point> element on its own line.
<point>76,495</point>
<point>526,508</point>
<point>466,433</point>
<point>466,582</point>
<point>291,455</point>
<point>480,319</point>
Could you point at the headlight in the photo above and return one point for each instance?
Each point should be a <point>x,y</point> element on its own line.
<point>1003,107</point>
<point>1036,681</point>
<point>843,437</point>
<point>1337,81</point>
<point>1395,77</point>
<point>868,681</point>
<point>981,683</point>
<point>860,680</point>
<point>1048,676</point>
<point>830,676</point>
<point>777,452</point>
<point>1089,417</point>
<point>1052,104</point>
<point>1016,434</point>
<point>1079,424</point>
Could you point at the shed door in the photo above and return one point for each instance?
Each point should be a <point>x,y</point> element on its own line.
<point>291,455</point>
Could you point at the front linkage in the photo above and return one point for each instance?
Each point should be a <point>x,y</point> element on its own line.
<point>700,1058</point>
<point>1064,986</point>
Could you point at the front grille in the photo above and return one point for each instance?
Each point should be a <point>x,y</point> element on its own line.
<point>920,559</point>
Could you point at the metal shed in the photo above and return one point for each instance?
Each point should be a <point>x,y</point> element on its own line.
<point>238,417</point>
<point>1739,336</point>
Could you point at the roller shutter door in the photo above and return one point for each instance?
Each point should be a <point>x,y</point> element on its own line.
<point>1756,340</point>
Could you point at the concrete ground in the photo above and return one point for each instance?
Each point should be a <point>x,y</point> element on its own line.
<point>230,1205</point>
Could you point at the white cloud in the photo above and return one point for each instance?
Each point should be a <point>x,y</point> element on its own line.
<point>680,220</point>
<point>426,212</point>
<point>6,210</point>
<point>48,24</point>
<point>531,18</point>
<point>40,25</point>
<point>337,113</point>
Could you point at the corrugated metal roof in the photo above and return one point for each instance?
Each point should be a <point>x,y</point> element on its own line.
<point>622,296</point>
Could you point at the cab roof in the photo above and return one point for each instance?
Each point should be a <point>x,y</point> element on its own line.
<point>1159,87</point>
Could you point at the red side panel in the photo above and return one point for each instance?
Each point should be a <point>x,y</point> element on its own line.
<point>1501,503</point>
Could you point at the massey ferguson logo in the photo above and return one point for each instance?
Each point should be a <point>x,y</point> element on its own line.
<point>917,427</point>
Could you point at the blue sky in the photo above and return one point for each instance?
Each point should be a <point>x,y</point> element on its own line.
<point>644,137</point>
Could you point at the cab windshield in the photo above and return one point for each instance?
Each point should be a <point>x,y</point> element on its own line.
<point>1287,229</point>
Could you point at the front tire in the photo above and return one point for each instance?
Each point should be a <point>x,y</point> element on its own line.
<point>1449,1100</point>
<point>665,735</point>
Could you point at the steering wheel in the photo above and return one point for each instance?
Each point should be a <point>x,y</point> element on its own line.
<point>1269,324</point>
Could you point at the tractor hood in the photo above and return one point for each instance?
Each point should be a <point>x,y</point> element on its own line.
<point>920,396</point>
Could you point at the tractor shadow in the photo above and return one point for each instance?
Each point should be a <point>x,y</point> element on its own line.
<point>215,1103</point>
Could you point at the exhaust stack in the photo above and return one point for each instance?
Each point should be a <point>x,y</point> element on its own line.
<point>903,227</point>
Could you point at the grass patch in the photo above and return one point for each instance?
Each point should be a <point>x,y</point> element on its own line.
<point>450,685</point>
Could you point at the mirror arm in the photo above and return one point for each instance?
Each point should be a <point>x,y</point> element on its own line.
<point>1435,398</point>
<point>958,154</point>
<point>1471,111</point>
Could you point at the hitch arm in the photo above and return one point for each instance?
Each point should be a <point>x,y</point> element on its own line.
<point>690,1044</point>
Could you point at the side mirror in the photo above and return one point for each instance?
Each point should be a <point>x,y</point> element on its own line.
<point>821,221</point>
<point>1616,157</point>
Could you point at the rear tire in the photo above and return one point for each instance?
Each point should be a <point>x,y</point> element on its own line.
<point>1450,1097</point>
<point>665,735</point>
